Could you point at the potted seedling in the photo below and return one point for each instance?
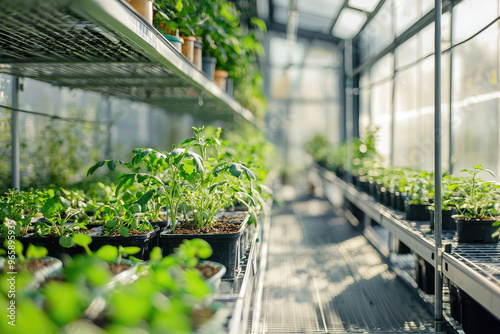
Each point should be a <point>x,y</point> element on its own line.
<point>208,192</point>
<point>417,199</point>
<point>447,208</point>
<point>474,200</point>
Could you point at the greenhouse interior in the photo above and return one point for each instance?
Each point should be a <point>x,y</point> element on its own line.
<point>249,166</point>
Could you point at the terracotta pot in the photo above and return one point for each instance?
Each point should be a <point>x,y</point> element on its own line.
<point>188,47</point>
<point>143,7</point>
<point>221,78</point>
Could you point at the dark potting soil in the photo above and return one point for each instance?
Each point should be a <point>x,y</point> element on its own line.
<point>130,233</point>
<point>116,268</point>
<point>200,315</point>
<point>207,270</point>
<point>231,219</point>
<point>217,228</point>
<point>32,265</point>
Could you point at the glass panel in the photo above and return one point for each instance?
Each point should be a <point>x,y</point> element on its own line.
<point>406,13</point>
<point>366,5</point>
<point>381,28</point>
<point>364,79</point>
<point>382,69</point>
<point>475,119</point>
<point>348,23</point>
<point>321,53</point>
<point>280,14</point>
<point>407,53</point>
<point>364,110</point>
<point>427,5</point>
<point>381,116</point>
<point>325,8</point>
<point>406,115</point>
<point>427,36</point>
<point>472,15</point>
<point>284,52</point>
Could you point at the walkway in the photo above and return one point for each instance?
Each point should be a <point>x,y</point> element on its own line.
<point>322,276</point>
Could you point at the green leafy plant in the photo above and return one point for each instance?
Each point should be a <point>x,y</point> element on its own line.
<point>474,197</point>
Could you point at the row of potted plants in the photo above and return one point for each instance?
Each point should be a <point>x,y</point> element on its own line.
<point>469,204</point>
<point>209,34</point>
<point>101,292</point>
<point>160,198</point>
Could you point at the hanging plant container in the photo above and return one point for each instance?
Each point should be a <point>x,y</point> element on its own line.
<point>417,212</point>
<point>476,231</point>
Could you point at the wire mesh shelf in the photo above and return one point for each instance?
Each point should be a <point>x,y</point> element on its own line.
<point>104,46</point>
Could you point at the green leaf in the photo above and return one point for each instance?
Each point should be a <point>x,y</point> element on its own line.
<point>112,165</point>
<point>155,254</point>
<point>111,223</point>
<point>107,253</point>
<point>124,230</point>
<point>51,193</point>
<point>203,248</point>
<point>95,167</point>
<point>188,168</point>
<point>131,250</point>
<point>81,239</point>
<point>66,242</point>
<point>178,5</point>
<point>36,252</point>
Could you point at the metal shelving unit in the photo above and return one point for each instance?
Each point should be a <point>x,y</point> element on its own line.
<point>106,47</point>
<point>475,268</point>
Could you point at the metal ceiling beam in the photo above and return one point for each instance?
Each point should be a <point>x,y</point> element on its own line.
<point>303,33</point>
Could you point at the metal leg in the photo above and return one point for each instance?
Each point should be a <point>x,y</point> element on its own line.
<point>16,159</point>
<point>438,296</point>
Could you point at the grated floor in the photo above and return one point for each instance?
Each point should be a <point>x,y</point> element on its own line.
<point>324,277</point>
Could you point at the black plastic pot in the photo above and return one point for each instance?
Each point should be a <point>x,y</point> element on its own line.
<point>475,318</point>
<point>447,219</point>
<point>226,247</point>
<point>386,196</point>
<point>52,245</point>
<point>417,212</point>
<point>372,189</point>
<point>145,242</point>
<point>424,275</point>
<point>397,201</point>
<point>364,184</point>
<point>476,231</point>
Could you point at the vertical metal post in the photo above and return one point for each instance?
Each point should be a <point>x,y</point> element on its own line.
<point>348,103</point>
<point>16,152</point>
<point>450,110</point>
<point>438,295</point>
